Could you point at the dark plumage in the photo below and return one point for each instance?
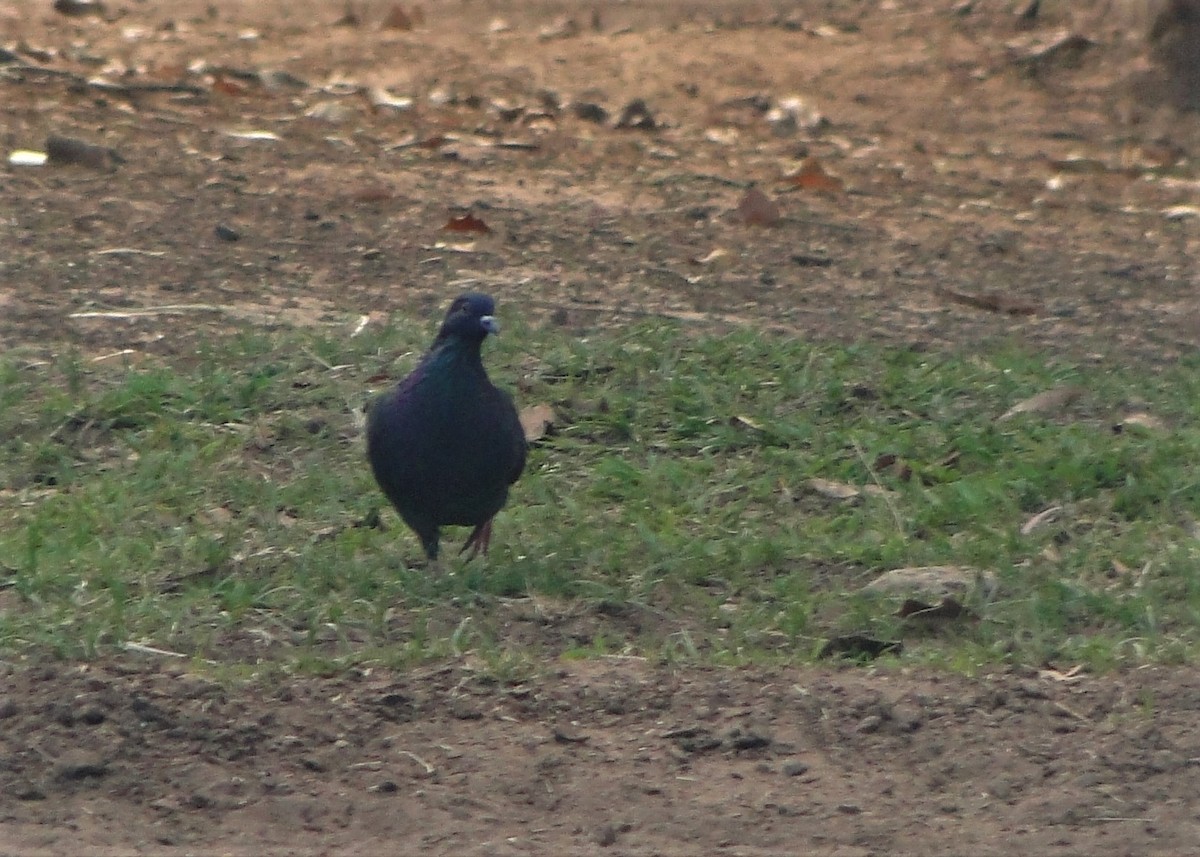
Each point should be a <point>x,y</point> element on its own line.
<point>445,443</point>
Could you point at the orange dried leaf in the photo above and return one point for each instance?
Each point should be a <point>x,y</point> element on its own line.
<point>812,176</point>
<point>758,209</point>
<point>228,87</point>
<point>466,223</point>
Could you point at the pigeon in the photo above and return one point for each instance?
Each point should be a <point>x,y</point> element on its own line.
<point>445,444</point>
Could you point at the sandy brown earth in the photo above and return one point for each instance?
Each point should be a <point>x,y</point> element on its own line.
<point>993,177</point>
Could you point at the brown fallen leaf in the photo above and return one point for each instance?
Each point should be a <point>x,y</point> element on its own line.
<point>992,301</point>
<point>225,86</point>
<point>1045,402</point>
<point>812,176</point>
<point>758,209</point>
<point>466,223</point>
<point>537,421</point>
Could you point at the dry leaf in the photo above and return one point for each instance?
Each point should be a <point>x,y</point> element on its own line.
<point>537,421</point>
<point>1043,517</point>
<point>1142,420</point>
<point>757,209</point>
<point>832,490</point>
<point>740,421</point>
<point>1075,673</point>
<point>722,136</point>
<point>812,176</point>
<point>1181,212</point>
<point>380,99</point>
<point>466,223</point>
<point>1046,402</point>
<point>1039,52</point>
<point>715,255</point>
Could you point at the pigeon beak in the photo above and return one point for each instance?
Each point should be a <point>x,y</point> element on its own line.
<point>489,324</point>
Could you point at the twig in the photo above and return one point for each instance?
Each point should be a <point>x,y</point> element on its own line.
<point>429,769</point>
<point>15,70</point>
<point>128,251</point>
<point>168,309</point>
<point>151,650</point>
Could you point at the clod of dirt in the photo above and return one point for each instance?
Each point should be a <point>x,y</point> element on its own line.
<point>933,583</point>
<point>859,645</point>
<point>67,150</point>
<point>78,8</point>
<point>81,766</point>
<point>1175,39</point>
<point>564,28</point>
<point>794,768</point>
<point>694,739</point>
<point>589,111</point>
<point>399,18</point>
<point>26,791</point>
<point>636,114</point>
<point>606,835</point>
<point>747,740</point>
<point>758,209</point>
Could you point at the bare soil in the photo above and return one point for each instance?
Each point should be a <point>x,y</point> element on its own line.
<point>1001,179</point>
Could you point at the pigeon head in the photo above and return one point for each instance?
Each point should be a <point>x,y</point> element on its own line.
<point>470,318</point>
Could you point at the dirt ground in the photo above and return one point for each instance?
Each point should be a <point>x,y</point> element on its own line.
<point>991,177</point>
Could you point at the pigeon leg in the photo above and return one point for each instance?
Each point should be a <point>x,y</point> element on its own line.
<point>479,540</point>
<point>429,536</point>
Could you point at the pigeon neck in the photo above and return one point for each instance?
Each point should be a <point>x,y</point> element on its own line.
<point>456,350</point>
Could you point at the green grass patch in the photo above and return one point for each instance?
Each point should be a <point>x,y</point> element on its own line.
<point>223,509</point>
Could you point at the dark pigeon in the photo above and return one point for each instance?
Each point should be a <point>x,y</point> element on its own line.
<point>445,443</point>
